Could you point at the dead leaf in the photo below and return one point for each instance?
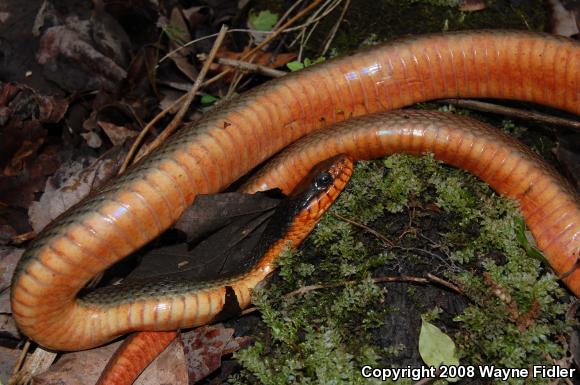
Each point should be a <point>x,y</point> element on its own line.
<point>85,367</point>
<point>25,157</point>
<point>9,257</point>
<point>93,139</point>
<point>261,58</point>
<point>114,118</point>
<point>7,232</point>
<point>117,134</point>
<point>9,357</point>
<point>205,346</point>
<point>181,37</point>
<point>197,15</point>
<point>22,110</point>
<point>565,18</point>
<point>210,212</point>
<point>70,59</point>
<point>19,102</point>
<point>26,150</point>
<point>38,362</point>
<point>72,182</point>
<point>8,328</point>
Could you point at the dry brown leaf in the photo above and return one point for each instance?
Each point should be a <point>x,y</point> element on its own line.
<point>9,357</point>
<point>205,346</point>
<point>182,36</point>
<point>260,58</point>
<point>27,149</point>
<point>70,183</point>
<point>85,367</point>
<point>71,60</point>
<point>8,326</point>
<point>9,256</point>
<point>116,134</point>
<point>20,102</point>
<point>93,139</point>
<point>565,18</point>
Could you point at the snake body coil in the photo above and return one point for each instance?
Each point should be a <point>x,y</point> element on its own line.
<point>227,143</point>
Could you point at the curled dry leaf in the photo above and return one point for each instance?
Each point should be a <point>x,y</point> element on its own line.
<point>93,139</point>
<point>9,256</point>
<point>19,102</point>
<point>117,134</point>
<point>71,60</point>
<point>23,170</point>
<point>22,112</point>
<point>19,190</point>
<point>85,367</point>
<point>565,17</point>
<point>72,182</point>
<point>181,36</point>
<point>9,357</point>
<point>8,328</point>
<point>205,346</point>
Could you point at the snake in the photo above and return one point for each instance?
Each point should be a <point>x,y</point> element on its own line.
<point>293,219</point>
<point>210,154</point>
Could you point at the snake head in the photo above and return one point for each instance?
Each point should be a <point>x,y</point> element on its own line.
<point>321,187</point>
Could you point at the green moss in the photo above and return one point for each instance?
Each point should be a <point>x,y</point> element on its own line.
<point>384,20</point>
<point>395,197</point>
<point>429,218</point>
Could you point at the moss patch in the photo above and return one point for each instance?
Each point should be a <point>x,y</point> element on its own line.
<point>384,20</point>
<point>420,216</point>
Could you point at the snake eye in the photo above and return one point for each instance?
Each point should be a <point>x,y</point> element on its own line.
<point>323,180</point>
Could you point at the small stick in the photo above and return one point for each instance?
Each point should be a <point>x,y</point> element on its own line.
<point>265,41</point>
<point>21,357</point>
<point>447,284</point>
<point>334,30</point>
<point>210,81</point>
<point>247,66</point>
<point>364,227</point>
<point>188,98</point>
<point>145,131</point>
<point>513,112</point>
<point>396,278</point>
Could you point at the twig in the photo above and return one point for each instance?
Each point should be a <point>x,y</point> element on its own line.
<point>287,13</point>
<point>388,278</point>
<point>247,66</point>
<point>192,42</point>
<point>364,227</point>
<point>264,42</point>
<point>21,357</point>
<point>273,35</point>
<point>172,126</point>
<point>513,112</point>
<point>38,362</point>
<point>145,131</point>
<point>234,84</point>
<point>334,30</point>
<point>314,19</point>
<point>448,285</point>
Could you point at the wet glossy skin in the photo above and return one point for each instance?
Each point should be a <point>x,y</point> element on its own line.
<point>290,224</point>
<point>230,141</point>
